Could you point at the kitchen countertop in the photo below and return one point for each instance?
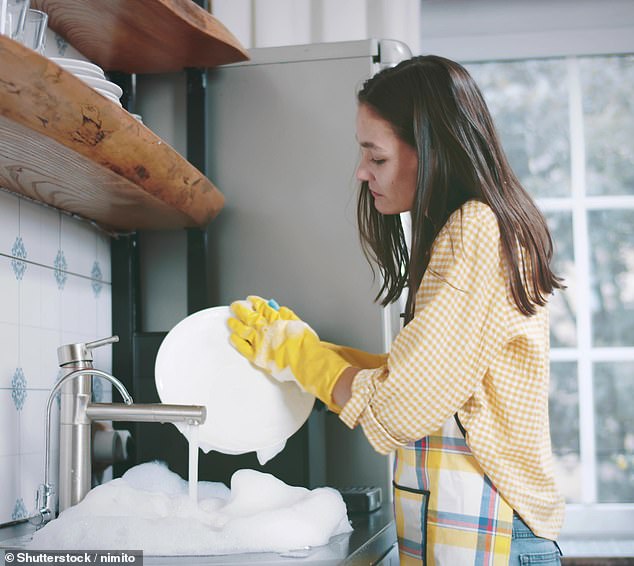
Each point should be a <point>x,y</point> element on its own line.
<point>373,537</point>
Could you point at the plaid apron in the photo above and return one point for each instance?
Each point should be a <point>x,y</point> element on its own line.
<point>448,513</point>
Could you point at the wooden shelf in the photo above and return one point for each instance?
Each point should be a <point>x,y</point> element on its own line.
<point>143,36</point>
<point>64,144</point>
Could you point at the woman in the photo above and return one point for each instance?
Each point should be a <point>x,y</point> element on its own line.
<point>462,396</point>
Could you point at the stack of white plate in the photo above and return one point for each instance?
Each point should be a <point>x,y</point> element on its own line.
<point>92,75</point>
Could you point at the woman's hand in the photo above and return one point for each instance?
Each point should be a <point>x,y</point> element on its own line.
<point>278,342</point>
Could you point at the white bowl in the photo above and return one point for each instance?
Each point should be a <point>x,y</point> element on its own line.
<point>102,84</point>
<point>247,410</point>
<point>57,46</point>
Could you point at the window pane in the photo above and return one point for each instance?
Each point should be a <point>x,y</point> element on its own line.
<point>564,428</point>
<point>529,103</point>
<point>563,333</point>
<point>612,271</point>
<point>608,109</point>
<point>613,394</point>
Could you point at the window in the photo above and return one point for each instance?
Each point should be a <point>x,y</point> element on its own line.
<point>567,125</point>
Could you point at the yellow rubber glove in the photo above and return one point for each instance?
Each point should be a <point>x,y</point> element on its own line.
<point>357,358</point>
<point>286,347</point>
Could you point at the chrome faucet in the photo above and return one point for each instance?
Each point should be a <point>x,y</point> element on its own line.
<point>76,416</point>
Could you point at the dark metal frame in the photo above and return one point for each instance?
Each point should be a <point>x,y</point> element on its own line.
<point>197,275</point>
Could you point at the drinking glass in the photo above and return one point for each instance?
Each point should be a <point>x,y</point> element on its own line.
<point>16,18</point>
<point>3,15</point>
<point>34,35</point>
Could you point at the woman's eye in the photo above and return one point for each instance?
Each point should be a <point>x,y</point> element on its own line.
<point>378,161</point>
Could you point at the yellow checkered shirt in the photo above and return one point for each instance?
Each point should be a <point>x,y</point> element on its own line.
<point>470,350</point>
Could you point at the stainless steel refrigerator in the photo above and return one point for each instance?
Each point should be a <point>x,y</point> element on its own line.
<point>282,149</point>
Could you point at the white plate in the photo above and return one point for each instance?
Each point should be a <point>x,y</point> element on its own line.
<point>247,410</point>
<point>79,72</point>
<point>63,61</point>
<point>102,84</point>
<point>109,96</point>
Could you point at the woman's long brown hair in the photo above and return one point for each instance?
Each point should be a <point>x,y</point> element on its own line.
<point>435,106</point>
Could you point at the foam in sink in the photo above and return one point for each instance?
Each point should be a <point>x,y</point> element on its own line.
<point>149,509</point>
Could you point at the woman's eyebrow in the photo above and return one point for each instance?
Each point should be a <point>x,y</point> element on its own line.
<point>369,145</point>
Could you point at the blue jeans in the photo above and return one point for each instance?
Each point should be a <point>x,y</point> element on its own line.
<point>528,549</point>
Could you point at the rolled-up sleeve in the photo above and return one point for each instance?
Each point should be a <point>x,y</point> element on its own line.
<point>359,409</point>
<point>438,360</point>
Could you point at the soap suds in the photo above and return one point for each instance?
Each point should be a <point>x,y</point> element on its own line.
<point>149,509</point>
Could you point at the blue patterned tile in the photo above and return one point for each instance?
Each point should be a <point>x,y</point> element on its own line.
<point>97,278</point>
<point>19,510</point>
<point>18,251</point>
<point>60,270</point>
<point>18,389</point>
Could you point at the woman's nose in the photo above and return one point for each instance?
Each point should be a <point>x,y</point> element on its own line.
<point>362,173</point>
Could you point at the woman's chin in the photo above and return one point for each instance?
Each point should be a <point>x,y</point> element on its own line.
<point>384,208</point>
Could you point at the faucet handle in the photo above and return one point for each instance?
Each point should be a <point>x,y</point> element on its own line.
<point>43,505</point>
<point>71,354</point>
<point>102,342</point>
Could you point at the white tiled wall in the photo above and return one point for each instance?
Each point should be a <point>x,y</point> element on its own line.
<point>55,288</point>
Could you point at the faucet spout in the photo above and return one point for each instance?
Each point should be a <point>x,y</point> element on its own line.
<point>191,414</point>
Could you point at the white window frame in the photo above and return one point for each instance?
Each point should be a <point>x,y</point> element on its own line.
<point>615,518</point>
<point>491,30</point>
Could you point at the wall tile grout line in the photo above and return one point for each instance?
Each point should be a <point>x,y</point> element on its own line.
<point>52,268</point>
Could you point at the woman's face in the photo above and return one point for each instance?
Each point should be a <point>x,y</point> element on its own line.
<point>388,164</point>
